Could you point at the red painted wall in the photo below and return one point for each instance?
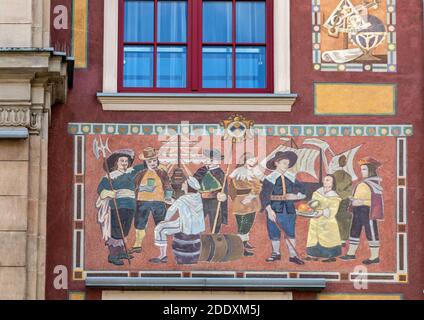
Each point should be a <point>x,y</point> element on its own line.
<point>82,106</point>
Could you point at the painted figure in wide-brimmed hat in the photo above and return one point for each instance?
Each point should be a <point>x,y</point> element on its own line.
<point>244,187</point>
<point>211,178</point>
<point>367,206</point>
<point>190,221</point>
<point>122,178</point>
<point>153,190</point>
<point>280,190</point>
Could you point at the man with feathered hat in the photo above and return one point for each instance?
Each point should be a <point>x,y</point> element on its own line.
<point>279,192</point>
<point>368,207</point>
<point>122,176</point>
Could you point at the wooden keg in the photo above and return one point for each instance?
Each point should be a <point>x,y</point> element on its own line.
<point>186,248</point>
<point>221,247</point>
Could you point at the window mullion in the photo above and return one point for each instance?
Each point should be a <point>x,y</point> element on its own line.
<point>155,42</point>
<point>196,22</point>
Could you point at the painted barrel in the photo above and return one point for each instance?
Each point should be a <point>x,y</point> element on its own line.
<point>186,248</point>
<point>221,247</point>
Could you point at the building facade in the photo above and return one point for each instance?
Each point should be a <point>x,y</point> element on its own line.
<point>211,149</point>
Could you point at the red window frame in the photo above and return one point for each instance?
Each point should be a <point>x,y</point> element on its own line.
<point>194,53</point>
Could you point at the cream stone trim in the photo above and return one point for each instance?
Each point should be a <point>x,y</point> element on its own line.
<point>281,71</point>
<point>205,103</point>
<point>110,46</point>
<point>282,46</point>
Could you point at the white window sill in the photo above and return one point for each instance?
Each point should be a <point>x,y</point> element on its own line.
<point>196,102</point>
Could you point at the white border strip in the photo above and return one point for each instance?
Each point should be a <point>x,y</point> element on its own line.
<point>364,277</point>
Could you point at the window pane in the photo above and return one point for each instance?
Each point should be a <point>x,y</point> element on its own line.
<point>138,67</point>
<point>172,21</point>
<point>217,67</point>
<point>171,66</point>
<point>217,21</point>
<point>139,17</point>
<point>250,20</point>
<point>250,67</point>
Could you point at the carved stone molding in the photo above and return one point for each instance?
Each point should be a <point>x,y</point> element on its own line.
<point>21,117</point>
<point>14,117</point>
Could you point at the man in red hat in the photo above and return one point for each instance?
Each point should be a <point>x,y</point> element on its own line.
<point>367,204</point>
<point>279,192</point>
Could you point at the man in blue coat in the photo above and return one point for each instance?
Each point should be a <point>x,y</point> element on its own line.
<point>279,192</point>
<point>122,176</point>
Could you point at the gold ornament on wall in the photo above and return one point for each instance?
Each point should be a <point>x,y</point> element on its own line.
<point>238,128</point>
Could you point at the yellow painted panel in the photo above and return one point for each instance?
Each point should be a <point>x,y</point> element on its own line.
<point>355,99</point>
<point>80,25</point>
<point>359,297</point>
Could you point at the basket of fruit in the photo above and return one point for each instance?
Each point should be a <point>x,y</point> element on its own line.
<point>307,210</point>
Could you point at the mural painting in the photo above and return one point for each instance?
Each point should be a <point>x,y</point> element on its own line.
<point>354,35</point>
<point>240,199</point>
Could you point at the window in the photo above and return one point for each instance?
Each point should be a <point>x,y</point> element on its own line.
<point>195,46</point>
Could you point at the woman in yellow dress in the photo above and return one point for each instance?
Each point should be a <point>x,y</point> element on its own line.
<point>323,236</point>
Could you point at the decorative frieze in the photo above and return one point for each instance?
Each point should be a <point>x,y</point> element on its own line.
<point>21,117</point>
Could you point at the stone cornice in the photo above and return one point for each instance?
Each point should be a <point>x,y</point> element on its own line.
<point>32,81</point>
<point>197,102</point>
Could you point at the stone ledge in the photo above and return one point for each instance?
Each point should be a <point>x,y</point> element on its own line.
<point>208,283</point>
<point>197,102</point>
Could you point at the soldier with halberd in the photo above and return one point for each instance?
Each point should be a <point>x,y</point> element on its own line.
<point>279,192</point>
<point>152,191</point>
<point>244,188</point>
<point>120,190</point>
<point>211,178</point>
